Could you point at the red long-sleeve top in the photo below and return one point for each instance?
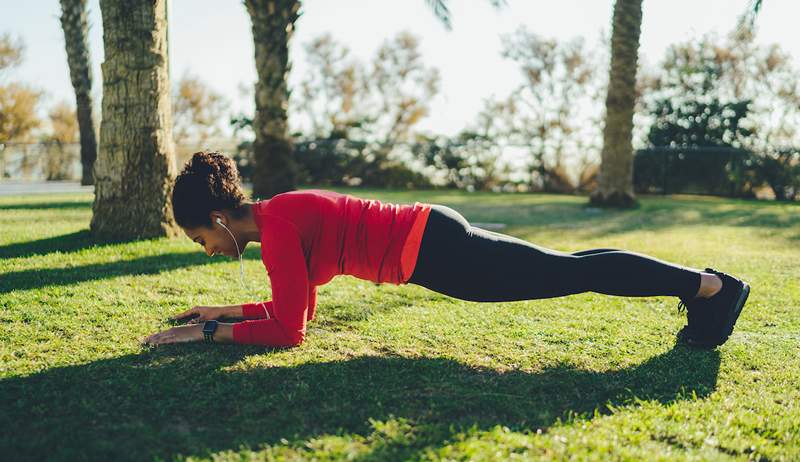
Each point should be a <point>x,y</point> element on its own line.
<point>310,236</point>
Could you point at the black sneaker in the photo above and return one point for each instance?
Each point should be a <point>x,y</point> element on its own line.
<point>726,306</point>
<point>698,317</point>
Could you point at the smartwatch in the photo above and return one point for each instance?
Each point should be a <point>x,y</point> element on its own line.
<point>209,327</point>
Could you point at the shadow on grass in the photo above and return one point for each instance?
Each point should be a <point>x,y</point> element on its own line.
<point>64,243</point>
<point>181,400</point>
<point>36,278</point>
<point>77,241</point>
<point>48,205</point>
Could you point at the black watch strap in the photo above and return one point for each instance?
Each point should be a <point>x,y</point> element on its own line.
<point>209,327</point>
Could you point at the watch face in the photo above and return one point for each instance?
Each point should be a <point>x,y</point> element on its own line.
<point>209,327</point>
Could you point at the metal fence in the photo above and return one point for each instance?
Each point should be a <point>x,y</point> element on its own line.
<point>40,161</point>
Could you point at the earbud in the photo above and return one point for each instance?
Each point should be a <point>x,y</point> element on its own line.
<point>241,264</point>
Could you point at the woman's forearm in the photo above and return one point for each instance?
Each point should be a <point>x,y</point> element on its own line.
<point>233,311</point>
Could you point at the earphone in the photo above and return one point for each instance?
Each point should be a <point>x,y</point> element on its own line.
<point>241,266</point>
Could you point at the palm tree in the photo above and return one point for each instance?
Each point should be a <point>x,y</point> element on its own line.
<point>274,169</point>
<point>615,185</point>
<point>76,32</point>
<point>135,167</point>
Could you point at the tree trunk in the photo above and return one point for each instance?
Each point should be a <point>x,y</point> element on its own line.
<point>274,169</point>
<point>76,33</point>
<point>615,183</point>
<point>135,168</point>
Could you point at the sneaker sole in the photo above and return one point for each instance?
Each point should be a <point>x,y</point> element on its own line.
<point>737,310</point>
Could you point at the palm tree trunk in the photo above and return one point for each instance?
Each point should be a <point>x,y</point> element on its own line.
<point>76,32</point>
<point>615,183</point>
<point>135,167</point>
<point>274,169</point>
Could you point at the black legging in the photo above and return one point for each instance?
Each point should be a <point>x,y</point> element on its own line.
<point>469,263</point>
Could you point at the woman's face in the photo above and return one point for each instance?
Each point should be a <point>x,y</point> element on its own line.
<point>215,240</point>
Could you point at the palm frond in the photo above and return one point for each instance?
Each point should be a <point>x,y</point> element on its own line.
<point>747,21</point>
<point>441,11</point>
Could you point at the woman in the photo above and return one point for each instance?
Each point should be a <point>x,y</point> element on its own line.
<point>308,237</point>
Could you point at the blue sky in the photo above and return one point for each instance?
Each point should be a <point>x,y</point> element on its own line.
<point>212,39</point>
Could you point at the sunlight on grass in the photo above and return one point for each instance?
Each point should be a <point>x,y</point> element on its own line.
<point>399,372</point>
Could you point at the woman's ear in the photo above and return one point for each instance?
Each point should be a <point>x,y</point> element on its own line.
<point>216,216</point>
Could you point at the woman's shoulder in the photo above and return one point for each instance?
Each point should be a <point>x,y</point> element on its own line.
<point>297,206</point>
<point>299,198</point>
<point>306,193</point>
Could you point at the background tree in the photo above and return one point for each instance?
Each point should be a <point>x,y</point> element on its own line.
<point>11,52</point>
<point>380,102</point>
<point>75,24</point>
<point>18,119</point>
<point>64,131</point>
<point>331,96</point>
<point>274,170</point>
<point>18,102</point>
<point>698,123</point>
<point>361,116</point>
<point>550,114</point>
<point>400,89</point>
<point>469,160</point>
<point>64,127</point>
<point>615,185</point>
<point>135,167</point>
<point>196,112</point>
<point>330,112</point>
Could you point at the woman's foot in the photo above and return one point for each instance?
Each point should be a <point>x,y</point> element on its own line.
<point>710,284</point>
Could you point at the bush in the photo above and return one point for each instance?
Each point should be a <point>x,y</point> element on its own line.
<point>716,171</point>
<point>780,169</point>
<point>340,162</point>
<point>468,161</point>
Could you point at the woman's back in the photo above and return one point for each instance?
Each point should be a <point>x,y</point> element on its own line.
<point>339,233</point>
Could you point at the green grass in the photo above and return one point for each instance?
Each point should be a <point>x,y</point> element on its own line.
<point>399,372</point>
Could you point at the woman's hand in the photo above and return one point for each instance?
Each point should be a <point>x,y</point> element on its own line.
<point>179,334</point>
<point>201,313</point>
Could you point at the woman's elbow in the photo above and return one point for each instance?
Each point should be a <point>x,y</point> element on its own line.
<point>296,338</point>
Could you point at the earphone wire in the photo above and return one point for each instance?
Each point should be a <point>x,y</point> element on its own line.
<point>241,269</point>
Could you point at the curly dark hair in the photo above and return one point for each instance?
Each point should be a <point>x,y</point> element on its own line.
<point>209,181</point>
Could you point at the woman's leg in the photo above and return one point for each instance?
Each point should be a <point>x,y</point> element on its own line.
<point>469,263</point>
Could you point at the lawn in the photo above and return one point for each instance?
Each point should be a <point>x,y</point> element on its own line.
<point>399,372</point>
